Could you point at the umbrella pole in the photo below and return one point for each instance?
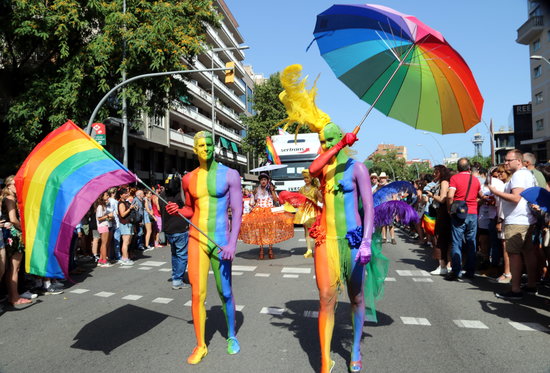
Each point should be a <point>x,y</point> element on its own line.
<point>358,127</point>
<point>187,220</point>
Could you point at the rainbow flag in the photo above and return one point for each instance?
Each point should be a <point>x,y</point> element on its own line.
<point>270,152</point>
<point>56,185</point>
<point>428,224</point>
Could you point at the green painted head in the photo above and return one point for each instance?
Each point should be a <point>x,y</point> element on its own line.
<point>330,135</point>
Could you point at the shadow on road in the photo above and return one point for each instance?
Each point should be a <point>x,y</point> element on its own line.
<point>215,321</point>
<point>515,311</point>
<point>114,329</point>
<point>300,317</point>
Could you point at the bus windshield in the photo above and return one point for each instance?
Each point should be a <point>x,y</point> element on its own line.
<point>293,171</point>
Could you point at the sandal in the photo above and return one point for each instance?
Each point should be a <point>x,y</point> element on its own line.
<point>261,256</point>
<point>505,278</point>
<point>21,303</point>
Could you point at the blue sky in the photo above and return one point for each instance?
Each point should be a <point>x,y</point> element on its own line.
<point>482,31</point>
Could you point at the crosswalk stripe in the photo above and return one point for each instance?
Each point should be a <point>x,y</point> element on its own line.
<point>104,294</point>
<point>422,279</point>
<point>402,272</point>
<point>237,273</point>
<point>272,310</point>
<point>311,314</point>
<point>470,324</point>
<point>295,270</point>
<point>165,270</point>
<point>132,297</point>
<point>244,268</point>
<point>389,279</point>
<point>415,321</point>
<point>145,268</point>
<point>262,274</point>
<point>239,307</point>
<point>162,300</point>
<point>152,263</point>
<point>79,291</point>
<point>290,276</point>
<point>528,326</point>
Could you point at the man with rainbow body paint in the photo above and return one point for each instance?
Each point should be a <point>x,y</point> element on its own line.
<point>344,229</point>
<point>210,190</point>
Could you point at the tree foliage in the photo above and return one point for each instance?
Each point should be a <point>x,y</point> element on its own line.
<point>269,111</point>
<point>59,57</point>
<point>396,168</point>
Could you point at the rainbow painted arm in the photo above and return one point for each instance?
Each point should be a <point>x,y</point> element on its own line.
<point>321,161</point>
<point>236,204</point>
<point>361,174</point>
<point>187,210</point>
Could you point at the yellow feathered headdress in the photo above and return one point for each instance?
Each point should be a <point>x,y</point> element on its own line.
<point>300,102</point>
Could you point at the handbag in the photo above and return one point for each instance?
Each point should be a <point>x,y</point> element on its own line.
<point>459,209</point>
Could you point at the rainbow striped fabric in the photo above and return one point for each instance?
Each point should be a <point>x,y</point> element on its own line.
<point>56,185</point>
<point>270,152</point>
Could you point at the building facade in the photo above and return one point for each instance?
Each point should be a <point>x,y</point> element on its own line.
<point>164,144</point>
<point>535,33</point>
<point>384,149</point>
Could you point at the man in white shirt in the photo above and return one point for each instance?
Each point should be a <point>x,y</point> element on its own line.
<point>518,225</point>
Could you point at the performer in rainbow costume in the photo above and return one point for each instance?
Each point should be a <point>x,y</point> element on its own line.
<point>210,190</point>
<point>344,230</point>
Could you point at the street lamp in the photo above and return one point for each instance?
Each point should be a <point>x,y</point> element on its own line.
<point>391,168</point>
<point>212,51</point>
<point>429,152</point>
<point>538,58</point>
<point>440,147</point>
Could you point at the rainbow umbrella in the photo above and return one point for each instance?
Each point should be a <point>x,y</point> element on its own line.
<point>400,66</point>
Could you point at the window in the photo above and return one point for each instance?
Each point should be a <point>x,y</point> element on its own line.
<point>539,125</point>
<point>536,45</point>
<point>537,71</point>
<point>538,98</point>
<point>156,121</point>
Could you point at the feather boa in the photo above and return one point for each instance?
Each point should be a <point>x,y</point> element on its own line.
<point>387,192</point>
<point>385,213</point>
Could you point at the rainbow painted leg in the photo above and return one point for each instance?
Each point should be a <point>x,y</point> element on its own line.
<point>355,293</point>
<point>222,275</point>
<point>327,275</point>
<point>198,276</point>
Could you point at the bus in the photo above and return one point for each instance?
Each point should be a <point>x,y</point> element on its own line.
<point>296,153</point>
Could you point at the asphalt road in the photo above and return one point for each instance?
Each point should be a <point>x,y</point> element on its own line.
<point>130,320</point>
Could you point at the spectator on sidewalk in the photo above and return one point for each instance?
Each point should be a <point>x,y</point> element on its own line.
<point>148,220</point>
<point>518,226</point>
<point>530,161</point>
<point>504,176</point>
<point>463,187</point>
<point>442,219</point>
<point>125,227</point>
<point>374,181</point>
<point>138,222</point>
<point>176,229</point>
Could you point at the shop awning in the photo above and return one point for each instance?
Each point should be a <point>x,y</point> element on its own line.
<point>234,147</point>
<point>225,143</point>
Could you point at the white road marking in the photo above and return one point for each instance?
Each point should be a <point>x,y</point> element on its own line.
<point>162,300</point>
<point>311,314</point>
<point>528,326</point>
<point>188,303</point>
<point>237,273</point>
<point>239,307</point>
<point>165,270</point>
<point>402,272</point>
<point>389,279</point>
<point>295,270</point>
<point>145,268</point>
<point>422,279</point>
<point>244,268</point>
<point>415,321</point>
<point>132,297</point>
<point>152,263</point>
<point>104,294</point>
<point>210,272</point>
<point>262,274</point>
<point>470,324</point>
<point>301,240</point>
<point>272,310</point>
<point>290,276</point>
<point>79,291</point>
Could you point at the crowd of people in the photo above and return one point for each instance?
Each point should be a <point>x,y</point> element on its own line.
<point>483,226</point>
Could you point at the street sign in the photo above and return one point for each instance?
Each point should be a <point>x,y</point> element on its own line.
<point>99,134</point>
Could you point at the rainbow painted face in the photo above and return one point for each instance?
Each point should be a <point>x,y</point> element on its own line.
<point>204,148</point>
<point>329,136</point>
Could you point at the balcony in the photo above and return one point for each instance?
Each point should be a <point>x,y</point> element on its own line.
<point>530,30</point>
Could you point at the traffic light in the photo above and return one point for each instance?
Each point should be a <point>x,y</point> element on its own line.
<point>230,74</point>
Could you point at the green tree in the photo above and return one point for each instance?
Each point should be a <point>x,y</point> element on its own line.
<point>268,112</point>
<point>59,57</point>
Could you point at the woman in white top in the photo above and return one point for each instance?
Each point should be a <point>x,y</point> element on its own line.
<point>104,218</point>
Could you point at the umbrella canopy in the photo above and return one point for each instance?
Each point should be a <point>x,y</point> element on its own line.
<point>537,196</point>
<point>268,167</point>
<point>425,82</point>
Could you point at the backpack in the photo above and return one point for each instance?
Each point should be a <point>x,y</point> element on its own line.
<point>136,216</point>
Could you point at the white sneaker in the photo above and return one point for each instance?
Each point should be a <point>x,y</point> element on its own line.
<point>28,295</point>
<point>126,262</point>
<point>441,271</point>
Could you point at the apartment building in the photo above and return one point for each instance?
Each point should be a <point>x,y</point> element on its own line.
<point>535,33</point>
<point>165,143</point>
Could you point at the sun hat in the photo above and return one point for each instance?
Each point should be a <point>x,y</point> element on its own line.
<point>383,174</point>
<point>263,174</point>
<point>374,174</point>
